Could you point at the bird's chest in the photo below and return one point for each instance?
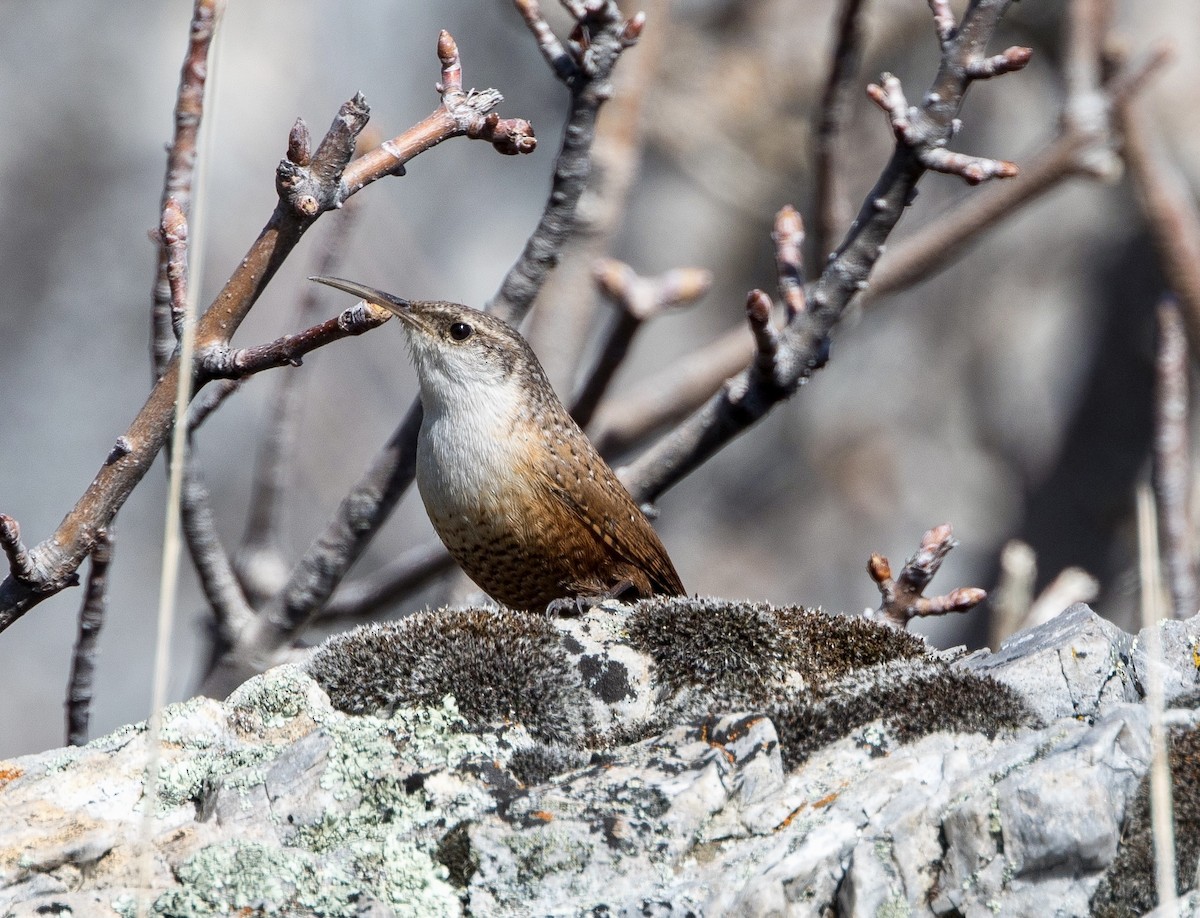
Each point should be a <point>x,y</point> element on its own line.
<point>473,467</point>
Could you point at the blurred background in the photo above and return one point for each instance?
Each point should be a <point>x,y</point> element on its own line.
<point>1008,395</point>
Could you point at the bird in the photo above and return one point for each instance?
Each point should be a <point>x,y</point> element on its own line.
<point>515,490</point>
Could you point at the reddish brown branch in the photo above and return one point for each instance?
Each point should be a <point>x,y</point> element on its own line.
<point>902,598</point>
<point>308,185</point>
<point>181,162</point>
<point>91,620</point>
<point>236,363</point>
<point>1172,468</point>
<point>174,231</point>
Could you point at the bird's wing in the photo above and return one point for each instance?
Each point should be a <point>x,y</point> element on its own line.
<point>601,503</point>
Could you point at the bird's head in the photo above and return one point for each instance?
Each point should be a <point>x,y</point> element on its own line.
<point>459,352</point>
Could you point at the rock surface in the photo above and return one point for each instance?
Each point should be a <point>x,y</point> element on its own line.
<point>702,792</point>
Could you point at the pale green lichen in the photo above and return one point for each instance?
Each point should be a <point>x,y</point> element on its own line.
<point>279,696</point>
<point>233,875</point>
<point>375,847</point>
<point>896,906</point>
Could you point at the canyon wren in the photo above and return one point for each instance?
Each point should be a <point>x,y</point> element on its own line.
<point>514,488</point>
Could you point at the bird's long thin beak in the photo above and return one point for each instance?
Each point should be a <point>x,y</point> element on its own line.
<point>393,304</point>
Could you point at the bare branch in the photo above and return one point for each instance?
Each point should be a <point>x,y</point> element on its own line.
<point>231,610</point>
<point>639,299</point>
<point>945,26</point>
<point>766,338</point>
<point>1172,467</point>
<point>805,340</point>
<point>412,570</point>
<point>209,400</point>
<point>21,563</point>
<point>235,363</point>
<point>91,620</point>
<point>901,597</point>
<point>307,187</point>
<point>587,72</point>
<point>889,96</point>
<point>181,161</point>
<point>830,203</point>
<point>1010,59</point>
<point>670,395</point>
<point>1082,148</point>
<point>261,566</point>
<point>174,231</point>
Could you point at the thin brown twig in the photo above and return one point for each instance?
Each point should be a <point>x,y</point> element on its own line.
<point>901,597</point>
<point>209,400</point>
<point>308,185</point>
<point>180,170</point>
<point>289,350</point>
<point>830,202</point>
<point>1172,467</point>
<point>83,660</point>
<point>587,73</point>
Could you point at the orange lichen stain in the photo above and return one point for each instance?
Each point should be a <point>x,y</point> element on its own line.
<point>790,816</point>
<point>1196,654</point>
<point>9,773</point>
<point>729,756</point>
<point>825,801</point>
<point>542,815</point>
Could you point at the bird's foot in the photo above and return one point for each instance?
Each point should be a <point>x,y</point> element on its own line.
<point>568,606</point>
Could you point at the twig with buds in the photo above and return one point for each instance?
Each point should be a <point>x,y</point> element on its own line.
<point>902,598</point>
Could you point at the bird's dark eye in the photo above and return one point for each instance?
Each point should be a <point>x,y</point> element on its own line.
<point>460,331</point>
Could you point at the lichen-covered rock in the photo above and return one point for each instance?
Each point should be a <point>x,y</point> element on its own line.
<point>681,757</point>
<point>1075,665</point>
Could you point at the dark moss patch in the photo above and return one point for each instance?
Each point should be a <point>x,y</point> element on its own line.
<point>539,763</point>
<point>714,644</point>
<point>911,700</point>
<point>1128,887</point>
<point>818,676</point>
<point>458,856</point>
<point>754,650</point>
<point>499,665</point>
